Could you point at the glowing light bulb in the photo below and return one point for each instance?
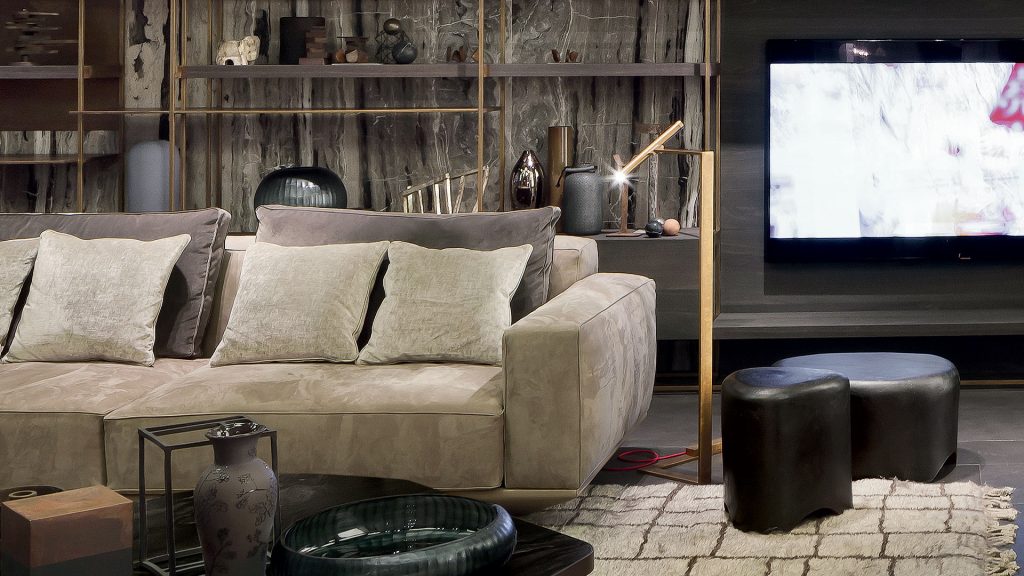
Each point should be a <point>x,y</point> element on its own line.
<point>620,177</point>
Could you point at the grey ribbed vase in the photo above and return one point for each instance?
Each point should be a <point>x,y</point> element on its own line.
<point>235,503</point>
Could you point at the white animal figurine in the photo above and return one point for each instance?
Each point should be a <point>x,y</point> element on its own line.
<point>239,52</point>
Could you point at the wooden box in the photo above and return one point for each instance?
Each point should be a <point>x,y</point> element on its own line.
<point>85,531</point>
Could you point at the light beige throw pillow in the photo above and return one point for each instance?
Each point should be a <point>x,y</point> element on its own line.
<point>94,299</point>
<point>450,305</point>
<point>16,258</point>
<point>300,304</point>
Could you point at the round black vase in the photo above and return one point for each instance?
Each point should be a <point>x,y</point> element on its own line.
<point>404,52</point>
<point>527,182</point>
<point>309,186</point>
<point>583,201</point>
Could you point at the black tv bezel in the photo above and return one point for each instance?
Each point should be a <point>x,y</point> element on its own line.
<point>961,248</point>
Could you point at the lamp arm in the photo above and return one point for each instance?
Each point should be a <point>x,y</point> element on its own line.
<point>652,147</point>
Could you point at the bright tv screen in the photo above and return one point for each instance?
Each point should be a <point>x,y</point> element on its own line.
<point>895,149</point>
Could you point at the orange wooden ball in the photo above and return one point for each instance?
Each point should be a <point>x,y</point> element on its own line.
<point>672,227</point>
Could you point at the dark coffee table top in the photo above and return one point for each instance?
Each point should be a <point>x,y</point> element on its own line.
<point>539,551</point>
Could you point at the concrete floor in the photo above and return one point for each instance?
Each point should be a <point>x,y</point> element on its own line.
<point>991,440</point>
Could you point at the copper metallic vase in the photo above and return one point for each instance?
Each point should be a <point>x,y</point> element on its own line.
<point>560,155</point>
<point>528,182</point>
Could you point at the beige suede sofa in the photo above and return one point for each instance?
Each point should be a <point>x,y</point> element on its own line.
<point>577,375</point>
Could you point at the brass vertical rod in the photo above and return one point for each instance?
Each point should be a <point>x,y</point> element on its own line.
<point>502,104</point>
<point>183,61</point>
<point>172,95</point>
<point>502,145</point>
<point>219,122</point>
<point>209,104</point>
<point>120,102</point>
<point>707,74</point>
<point>80,123</point>
<point>707,317</point>
<point>481,115</point>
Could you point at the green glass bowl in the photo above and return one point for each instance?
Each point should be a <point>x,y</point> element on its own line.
<point>416,535</point>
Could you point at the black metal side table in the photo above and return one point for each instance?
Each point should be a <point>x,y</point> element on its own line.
<point>176,562</point>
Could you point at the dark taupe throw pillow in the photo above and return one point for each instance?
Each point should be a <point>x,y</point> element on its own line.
<point>188,298</point>
<point>291,226</point>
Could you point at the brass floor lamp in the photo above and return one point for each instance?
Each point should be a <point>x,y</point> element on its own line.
<point>706,446</point>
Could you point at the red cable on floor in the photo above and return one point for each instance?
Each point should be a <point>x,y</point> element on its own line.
<point>638,463</point>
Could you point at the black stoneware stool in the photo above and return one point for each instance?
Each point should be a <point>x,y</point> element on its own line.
<point>903,411</point>
<point>786,446</point>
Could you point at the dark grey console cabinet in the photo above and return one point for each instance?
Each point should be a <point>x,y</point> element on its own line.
<point>673,264</point>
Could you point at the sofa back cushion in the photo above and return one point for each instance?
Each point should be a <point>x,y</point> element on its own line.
<point>16,260</point>
<point>189,295</point>
<point>291,226</point>
<point>574,259</point>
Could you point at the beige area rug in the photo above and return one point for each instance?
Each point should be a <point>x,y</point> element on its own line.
<point>895,529</point>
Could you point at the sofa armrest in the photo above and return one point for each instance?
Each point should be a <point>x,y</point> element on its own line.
<point>579,373</point>
<point>573,259</point>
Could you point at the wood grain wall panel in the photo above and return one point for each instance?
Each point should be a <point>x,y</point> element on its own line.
<point>379,156</point>
<point>750,285</point>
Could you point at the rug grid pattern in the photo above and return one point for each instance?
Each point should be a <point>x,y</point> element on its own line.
<point>895,529</point>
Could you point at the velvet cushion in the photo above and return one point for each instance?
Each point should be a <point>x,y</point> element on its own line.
<point>448,305</point>
<point>403,421</point>
<point>94,299</point>
<point>51,416</point>
<point>16,258</point>
<point>290,226</point>
<point>189,296</point>
<point>300,303</point>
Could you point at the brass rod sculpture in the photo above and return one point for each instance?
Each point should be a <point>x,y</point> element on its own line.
<point>622,174</point>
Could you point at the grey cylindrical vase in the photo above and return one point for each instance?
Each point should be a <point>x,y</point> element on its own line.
<point>147,178</point>
<point>235,503</point>
<point>583,201</point>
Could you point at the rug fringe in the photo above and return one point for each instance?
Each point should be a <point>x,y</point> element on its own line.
<point>1001,532</point>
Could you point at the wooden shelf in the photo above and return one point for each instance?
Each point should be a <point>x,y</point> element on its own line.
<point>585,70</point>
<point>332,71</point>
<point>123,112</point>
<point>868,324</point>
<point>540,70</point>
<point>56,72</point>
<point>38,159</point>
<point>335,111</point>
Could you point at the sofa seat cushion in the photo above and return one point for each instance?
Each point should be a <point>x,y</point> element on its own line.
<point>437,424</point>
<point>51,416</point>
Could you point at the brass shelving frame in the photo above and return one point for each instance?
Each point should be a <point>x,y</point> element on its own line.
<point>502,71</point>
<point>16,78</point>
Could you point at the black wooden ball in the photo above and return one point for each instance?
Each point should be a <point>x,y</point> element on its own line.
<point>654,229</point>
<point>393,26</point>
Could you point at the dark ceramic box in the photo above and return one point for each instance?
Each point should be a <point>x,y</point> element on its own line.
<point>85,531</point>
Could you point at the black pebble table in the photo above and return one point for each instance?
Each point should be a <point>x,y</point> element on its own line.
<point>539,551</point>
<point>903,411</point>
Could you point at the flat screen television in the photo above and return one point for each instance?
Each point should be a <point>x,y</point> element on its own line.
<point>894,149</point>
